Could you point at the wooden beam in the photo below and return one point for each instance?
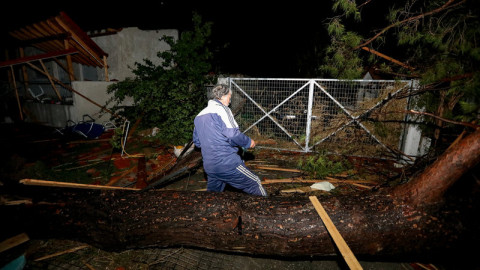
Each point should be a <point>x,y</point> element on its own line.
<point>45,183</point>
<point>80,33</point>
<point>298,190</point>
<point>61,253</point>
<point>43,31</point>
<point>337,237</point>
<point>329,179</point>
<point>277,169</point>
<point>113,180</point>
<point>16,92</point>
<point>13,242</point>
<point>105,67</point>
<point>69,61</point>
<point>78,38</point>
<point>64,67</point>
<point>9,73</point>
<point>32,42</point>
<point>32,33</point>
<point>52,34</point>
<point>50,79</point>
<point>291,181</point>
<point>24,72</point>
<point>28,59</point>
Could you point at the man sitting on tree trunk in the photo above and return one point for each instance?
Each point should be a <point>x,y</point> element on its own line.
<point>217,134</point>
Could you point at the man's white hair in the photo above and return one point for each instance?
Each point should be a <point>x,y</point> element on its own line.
<point>220,90</point>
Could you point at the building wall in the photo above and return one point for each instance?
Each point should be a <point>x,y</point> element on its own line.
<point>95,91</point>
<point>124,49</point>
<point>129,46</point>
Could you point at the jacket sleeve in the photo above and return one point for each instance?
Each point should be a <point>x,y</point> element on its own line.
<point>240,139</point>
<point>196,141</point>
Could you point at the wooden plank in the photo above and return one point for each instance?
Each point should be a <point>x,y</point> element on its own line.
<point>45,33</point>
<point>277,181</point>
<point>18,202</point>
<point>115,179</point>
<point>56,28</point>
<point>34,33</point>
<point>298,190</point>
<point>18,34</point>
<point>24,71</point>
<point>83,44</point>
<point>50,79</point>
<point>51,35</point>
<point>360,185</point>
<point>329,179</point>
<point>61,253</point>
<point>347,254</point>
<point>27,59</point>
<point>362,181</point>
<point>22,42</point>
<point>13,242</point>
<point>16,92</point>
<point>35,182</point>
<point>105,66</point>
<point>68,23</point>
<point>69,69</point>
<point>277,169</point>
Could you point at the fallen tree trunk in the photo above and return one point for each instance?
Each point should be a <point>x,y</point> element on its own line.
<point>378,223</point>
<point>430,186</point>
<point>117,220</point>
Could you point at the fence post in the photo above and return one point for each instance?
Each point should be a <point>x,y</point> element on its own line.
<point>309,116</point>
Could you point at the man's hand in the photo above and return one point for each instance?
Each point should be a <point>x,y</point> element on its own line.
<point>252,144</point>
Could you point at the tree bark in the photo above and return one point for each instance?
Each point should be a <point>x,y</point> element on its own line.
<point>430,186</point>
<point>409,220</point>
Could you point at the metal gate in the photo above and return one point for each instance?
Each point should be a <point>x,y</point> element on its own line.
<point>353,117</point>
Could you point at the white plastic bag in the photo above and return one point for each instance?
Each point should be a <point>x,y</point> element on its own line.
<point>325,185</point>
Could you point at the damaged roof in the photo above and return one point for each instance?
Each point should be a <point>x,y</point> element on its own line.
<point>60,35</point>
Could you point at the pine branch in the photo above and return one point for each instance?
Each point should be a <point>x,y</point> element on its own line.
<point>472,125</point>
<point>448,4</point>
<point>364,3</point>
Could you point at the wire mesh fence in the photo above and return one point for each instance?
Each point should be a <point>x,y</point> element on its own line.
<point>354,117</point>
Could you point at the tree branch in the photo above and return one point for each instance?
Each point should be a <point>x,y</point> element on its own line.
<point>364,3</point>
<point>474,126</point>
<point>448,4</point>
<point>388,58</point>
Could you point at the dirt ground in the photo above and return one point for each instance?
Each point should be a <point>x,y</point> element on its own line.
<point>34,152</point>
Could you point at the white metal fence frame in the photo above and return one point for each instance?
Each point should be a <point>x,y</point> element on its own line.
<point>312,85</point>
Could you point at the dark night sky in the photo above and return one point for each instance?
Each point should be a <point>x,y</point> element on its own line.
<point>264,40</point>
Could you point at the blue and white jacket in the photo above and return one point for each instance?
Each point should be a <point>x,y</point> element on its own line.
<point>217,134</point>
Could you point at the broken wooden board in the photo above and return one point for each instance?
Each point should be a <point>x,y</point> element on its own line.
<point>61,253</point>
<point>329,179</point>
<point>13,242</point>
<point>277,169</point>
<point>347,253</point>
<point>298,190</point>
<point>36,182</point>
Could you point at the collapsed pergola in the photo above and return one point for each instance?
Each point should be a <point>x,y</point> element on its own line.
<point>56,37</point>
